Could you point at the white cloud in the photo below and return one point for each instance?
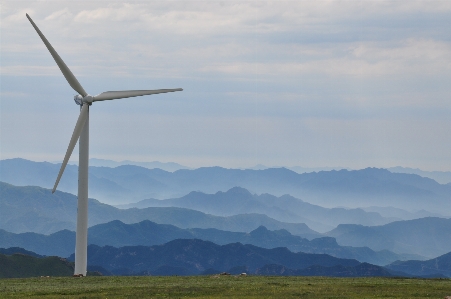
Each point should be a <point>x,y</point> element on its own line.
<point>113,12</point>
<point>16,16</point>
<point>258,70</point>
<point>63,14</point>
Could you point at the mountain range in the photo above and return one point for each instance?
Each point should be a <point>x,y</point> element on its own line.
<point>367,218</point>
<point>430,236</point>
<point>35,209</point>
<point>400,214</point>
<point>442,177</point>
<point>167,166</point>
<point>285,208</point>
<point>147,233</point>
<point>357,188</point>
<point>181,257</point>
<point>430,268</point>
<point>193,256</point>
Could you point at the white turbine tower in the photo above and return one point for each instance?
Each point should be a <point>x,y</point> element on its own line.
<point>81,133</point>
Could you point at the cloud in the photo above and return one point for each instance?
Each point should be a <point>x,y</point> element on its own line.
<point>113,12</point>
<point>16,16</point>
<point>63,14</point>
<point>265,78</point>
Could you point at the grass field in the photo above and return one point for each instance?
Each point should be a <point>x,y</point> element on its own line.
<point>223,287</point>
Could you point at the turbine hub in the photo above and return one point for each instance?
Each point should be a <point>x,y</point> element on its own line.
<point>79,100</point>
<point>88,99</point>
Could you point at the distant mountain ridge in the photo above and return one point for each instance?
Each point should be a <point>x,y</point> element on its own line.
<point>284,208</point>
<point>399,214</point>
<point>181,257</point>
<point>191,257</point>
<point>167,166</point>
<point>326,188</point>
<point>197,256</point>
<point>442,177</point>
<point>18,250</point>
<point>429,268</point>
<point>147,233</point>
<point>430,236</point>
<point>187,257</point>
<point>35,209</point>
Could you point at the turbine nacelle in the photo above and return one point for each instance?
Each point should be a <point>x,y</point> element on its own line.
<point>79,100</point>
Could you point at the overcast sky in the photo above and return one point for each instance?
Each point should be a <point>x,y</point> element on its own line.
<point>298,83</point>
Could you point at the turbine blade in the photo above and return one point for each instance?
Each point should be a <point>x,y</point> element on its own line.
<point>112,95</point>
<point>73,141</point>
<point>73,82</point>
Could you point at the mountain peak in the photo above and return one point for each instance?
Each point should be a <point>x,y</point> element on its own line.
<point>374,171</point>
<point>259,231</point>
<point>238,190</point>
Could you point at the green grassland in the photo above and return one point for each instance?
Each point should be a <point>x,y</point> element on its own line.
<point>223,287</point>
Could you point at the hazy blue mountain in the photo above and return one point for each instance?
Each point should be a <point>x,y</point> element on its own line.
<point>181,257</point>
<point>167,166</point>
<point>428,236</point>
<point>400,214</point>
<point>21,172</point>
<point>259,167</point>
<point>35,209</point>
<point>61,243</point>
<point>298,169</point>
<point>284,208</point>
<point>442,177</point>
<point>357,188</point>
<point>432,267</point>
<point>196,256</point>
<point>18,250</point>
<point>147,233</point>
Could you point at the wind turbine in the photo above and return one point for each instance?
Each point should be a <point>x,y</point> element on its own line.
<point>81,133</point>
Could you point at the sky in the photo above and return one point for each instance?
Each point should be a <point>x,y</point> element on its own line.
<point>281,83</point>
